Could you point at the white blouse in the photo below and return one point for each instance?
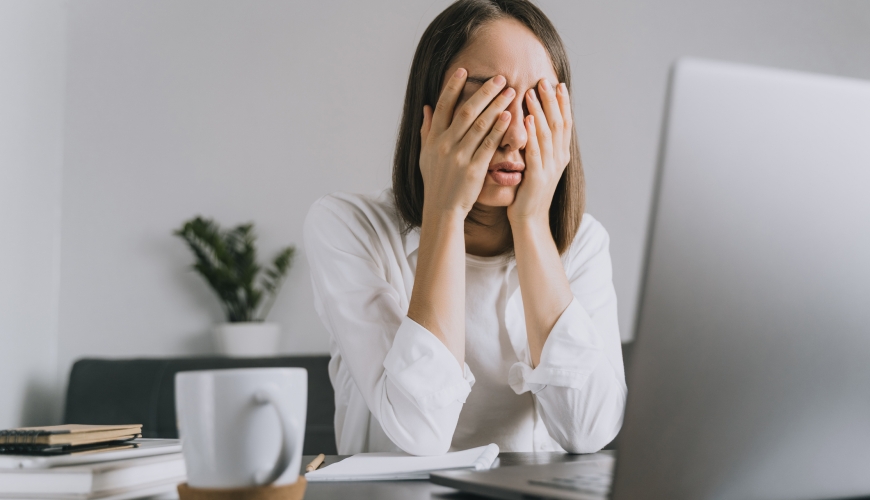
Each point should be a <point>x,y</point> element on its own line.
<point>397,387</point>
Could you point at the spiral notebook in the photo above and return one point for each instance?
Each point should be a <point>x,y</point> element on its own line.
<point>401,466</point>
<point>66,439</point>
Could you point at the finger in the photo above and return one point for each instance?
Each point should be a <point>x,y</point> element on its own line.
<point>484,123</point>
<point>544,137</point>
<point>492,141</point>
<point>447,101</point>
<point>471,109</point>
<point>567,115</point>
<point>427,122</point>
<point>533,148</point>
<point>553,113</point>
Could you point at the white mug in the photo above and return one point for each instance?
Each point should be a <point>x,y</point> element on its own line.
<point>241,427</point>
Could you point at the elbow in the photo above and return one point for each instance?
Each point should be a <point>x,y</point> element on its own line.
<point>420,428</point>
<point>419,432</point>
<point>423,441</point>
<point>591,441</point>
<point>591,431</point>
<point>426,446</point>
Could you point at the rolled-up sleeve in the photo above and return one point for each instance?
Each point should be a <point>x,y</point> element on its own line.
<point>415,365</point>
<point>579,384</point>
<point>410,381</point>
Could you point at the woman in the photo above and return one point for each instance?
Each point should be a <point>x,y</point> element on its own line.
<point>472,303</point>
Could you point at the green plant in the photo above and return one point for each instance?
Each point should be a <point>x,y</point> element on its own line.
<point>227,260</point>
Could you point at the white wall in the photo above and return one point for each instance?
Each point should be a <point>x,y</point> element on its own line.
<point>31,133</point>
<point>251,110</point>
<point>237,110</point>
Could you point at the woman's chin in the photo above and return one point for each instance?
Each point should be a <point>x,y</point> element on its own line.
<point>494,195</point>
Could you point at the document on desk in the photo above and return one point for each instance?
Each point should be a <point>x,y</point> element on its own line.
<point>401,466</point>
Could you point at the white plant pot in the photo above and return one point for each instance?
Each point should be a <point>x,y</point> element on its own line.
<point>254,339</point>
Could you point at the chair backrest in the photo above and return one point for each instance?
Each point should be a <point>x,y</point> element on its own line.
<point>126,391</point>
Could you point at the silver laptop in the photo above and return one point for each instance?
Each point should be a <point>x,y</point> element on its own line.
<point>751,369</point>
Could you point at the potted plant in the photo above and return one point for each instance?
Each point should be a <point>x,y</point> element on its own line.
<point>227,260</point>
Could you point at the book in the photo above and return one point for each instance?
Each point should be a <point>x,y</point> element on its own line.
<point>161,490</point>
<point>128,478</point>
<point>46,450</point>
<point>70,434</point>
<point>402,466</point>
<point>134,449</point>
<point>58,439</point>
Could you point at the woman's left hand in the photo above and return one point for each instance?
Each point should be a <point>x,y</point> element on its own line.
<point>549,128</point>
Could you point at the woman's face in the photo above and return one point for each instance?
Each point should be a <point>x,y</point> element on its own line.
<point>504,47</point>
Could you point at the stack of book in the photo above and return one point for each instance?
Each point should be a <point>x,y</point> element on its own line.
<point>45,466</point>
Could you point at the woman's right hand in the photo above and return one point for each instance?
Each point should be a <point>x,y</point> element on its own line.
<point>457,148</point>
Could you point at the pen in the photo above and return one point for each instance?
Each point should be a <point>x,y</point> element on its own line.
<point>315,463</point>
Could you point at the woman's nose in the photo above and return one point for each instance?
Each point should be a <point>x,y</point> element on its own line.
<point>515,137</point>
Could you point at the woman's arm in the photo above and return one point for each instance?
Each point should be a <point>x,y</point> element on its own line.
<point>576,367</point>
<point>438,296</point>
<point>578,378</point>
<point>455,155</point>
<point>407,377</point>
<point>579,382</point>
<point>545,290</point>
<point>543,284</point>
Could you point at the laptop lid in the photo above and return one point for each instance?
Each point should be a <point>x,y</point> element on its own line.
<point>751,371</point>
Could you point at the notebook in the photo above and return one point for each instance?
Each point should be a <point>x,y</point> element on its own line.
<point>57,439</point>
<point>138,448</point>
<point>401,466</point>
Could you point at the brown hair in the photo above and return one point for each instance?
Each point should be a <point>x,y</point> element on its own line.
<point>442,41</point>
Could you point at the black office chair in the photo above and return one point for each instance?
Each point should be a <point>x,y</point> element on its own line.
<point>142,391</point>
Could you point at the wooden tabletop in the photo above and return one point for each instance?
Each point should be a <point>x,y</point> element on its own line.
<point>413,490</point>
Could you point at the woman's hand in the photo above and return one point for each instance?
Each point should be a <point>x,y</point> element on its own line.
<point>548,150</point>
<point>457,147</point>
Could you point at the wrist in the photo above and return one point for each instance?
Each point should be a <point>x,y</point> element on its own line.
<point>443,219</point>
<point>534,223</point>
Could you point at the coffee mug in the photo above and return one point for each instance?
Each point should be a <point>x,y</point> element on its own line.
<point>241,427</point>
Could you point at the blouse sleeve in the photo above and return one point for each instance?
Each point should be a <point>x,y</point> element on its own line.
<point>579,383</point>
<point>410,381</point>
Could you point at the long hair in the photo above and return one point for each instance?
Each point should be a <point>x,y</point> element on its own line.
<point>442,41</point>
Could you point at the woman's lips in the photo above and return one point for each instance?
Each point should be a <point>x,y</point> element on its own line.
<point>506,178</point>
<point>506,173</point>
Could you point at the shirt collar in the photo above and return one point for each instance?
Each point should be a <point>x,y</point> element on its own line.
<point>412,241</point>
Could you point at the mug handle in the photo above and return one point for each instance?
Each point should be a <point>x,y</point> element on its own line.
<point>269,395</point>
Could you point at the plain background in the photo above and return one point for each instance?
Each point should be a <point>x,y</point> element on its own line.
<point>121,119</point>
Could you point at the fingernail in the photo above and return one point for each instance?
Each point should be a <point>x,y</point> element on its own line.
<point>532,95</point>
<point>505,116</point>
<point>459,73</point>
<point>509,92</point>
<point>563,88</point>
<point>546,85</point>
<point>498,80</point>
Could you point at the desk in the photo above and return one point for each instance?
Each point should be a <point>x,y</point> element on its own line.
<point>413,490</point>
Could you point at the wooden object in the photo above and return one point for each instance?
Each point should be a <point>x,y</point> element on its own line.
<point>317,462</point>
<point>295,491</point>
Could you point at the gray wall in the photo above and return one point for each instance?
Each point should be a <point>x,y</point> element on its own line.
<point>249,111</point>
<point>31,149</point>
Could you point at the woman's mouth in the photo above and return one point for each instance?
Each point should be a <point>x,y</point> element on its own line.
<point>506,173</point>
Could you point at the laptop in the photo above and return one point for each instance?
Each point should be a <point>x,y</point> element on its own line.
<point>751,369</point>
